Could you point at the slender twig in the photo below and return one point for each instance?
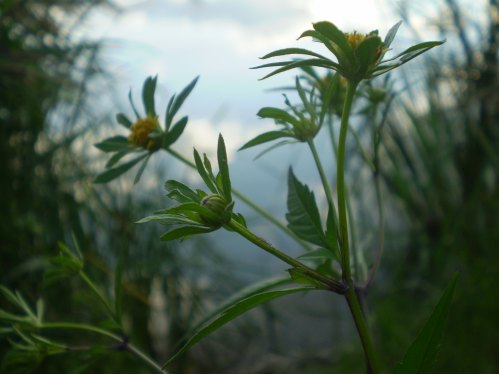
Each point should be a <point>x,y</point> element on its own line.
<point>332,284</point>
<point>351,295</point>
<point>248,202</point>
<point>124,343</point>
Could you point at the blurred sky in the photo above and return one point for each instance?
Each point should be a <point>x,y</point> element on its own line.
<point>219,40</point>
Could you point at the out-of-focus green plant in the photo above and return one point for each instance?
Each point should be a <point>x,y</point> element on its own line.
<point>328,262</point>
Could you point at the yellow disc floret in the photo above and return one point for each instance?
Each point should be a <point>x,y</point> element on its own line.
<point>141,130</point>
<point>354,38</point>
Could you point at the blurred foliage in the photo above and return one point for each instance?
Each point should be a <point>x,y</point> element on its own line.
<point>441,169</point>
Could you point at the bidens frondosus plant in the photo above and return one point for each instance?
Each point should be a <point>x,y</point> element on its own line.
<point>326,263</point>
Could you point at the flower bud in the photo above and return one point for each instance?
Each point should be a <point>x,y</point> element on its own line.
<point>219,206</point>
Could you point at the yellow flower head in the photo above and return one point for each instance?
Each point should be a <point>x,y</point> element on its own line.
<point>141,130</point>
<point>354,38</point>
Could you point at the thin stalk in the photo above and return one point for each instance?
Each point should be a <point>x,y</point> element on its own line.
<point>124,343</point>
<point>332,284</point>
<point>320,169</point>
<point>363,330</point>
<point>99,295</point>
<point>342,210</point>
<point>250,203</point>
<point>351,295</point>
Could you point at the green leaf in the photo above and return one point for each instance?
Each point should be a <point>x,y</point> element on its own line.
<point>113,173</point>
<point>300,277</point>
<point>278,115</point>
<point>223,166</point>
<point>365,53</point>
<point>169,219</point>
<point>184,232</point>
<point>175,132</point>
<point>113,144</point>
<point>332,232</point>
<point>118,287</point>
<point>178,101</point>
<point>118,156</point>
<point>266,137</point>
<point>231,312</point>
<point>123,120</point>
<point>202,172</point>
<point>292,51</point>
<point>180,192</point>
<point>318,254</point>
<point>141,169</point>
<point>298,64</point>
<point>422,353</point>
<point>303,215</point>
<point>391,34</point>
<point>326,100</point>
<point>133,105</point>
<point>148,95</point>
<point>337,36</point>
<point>335,50</point>
<point>253,289</point>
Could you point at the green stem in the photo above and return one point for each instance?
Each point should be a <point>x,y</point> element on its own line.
<point>332,284</point>
<point>126,345</point>
<point>351,296</point>
<point>99,295</point>
<point>248,202</point>
<point>342,210</point>
<point>325,183</point>
<point>363,330</point>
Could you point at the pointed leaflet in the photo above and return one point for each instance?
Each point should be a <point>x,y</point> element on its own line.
<point>278,115</point>
<point>141,169</point>
<point>223,167</point>
<point>175,132</point>
<point>292,51</point>
<point>180,192</point>
<point>303,215</point>
<point>391,34</point>
<point>113,173</point>
<point>178,101</point>
<point>113,144</point>
<point>231,312</point>
<point>297,64</point>
<point>266,137</point>
<point>203,173</point>
<point>422,353</point>
<point>366,52</point>
<point>123,120</point>
<point>337,36</point>
<point>184,232</point>
<point>148,95</point>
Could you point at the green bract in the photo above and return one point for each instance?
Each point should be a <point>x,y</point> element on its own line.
<point>146,134</point>
<point>358,56</point>
<point>199,212</point>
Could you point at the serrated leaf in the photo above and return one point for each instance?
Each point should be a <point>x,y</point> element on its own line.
<point>175,132</point>
<point>148,90</point>
<point>113,144</point>
<point>303,215</point>
<point>184,232</point>
<point>266,137</point>
<point>223,167</point>
<point>123,120</point>
<point>422,354</point>
<point>113,173</point>
<point>231,312</point>
<point>178,101</point>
